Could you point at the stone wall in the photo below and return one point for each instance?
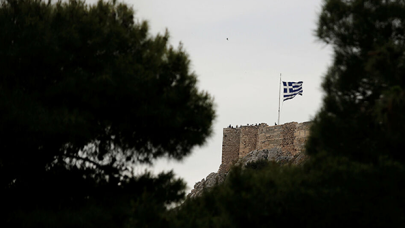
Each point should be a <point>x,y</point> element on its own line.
<point>248,139</point>
<point>290,138</point>
<point>230,147</point>
<point>301,134</point>
<point>269,137</point>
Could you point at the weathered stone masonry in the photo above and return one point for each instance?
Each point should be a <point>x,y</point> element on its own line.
<point>237,142</point>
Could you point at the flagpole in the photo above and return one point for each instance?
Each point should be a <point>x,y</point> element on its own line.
<point>279,89</point>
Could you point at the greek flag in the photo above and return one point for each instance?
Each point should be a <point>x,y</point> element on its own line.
<point>291,89</point>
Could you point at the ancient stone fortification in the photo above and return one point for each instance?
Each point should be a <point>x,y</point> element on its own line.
<point>283,144</point>
<point>238,142</point>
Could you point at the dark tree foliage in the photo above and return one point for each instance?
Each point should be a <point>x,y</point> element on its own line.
<point>257,165</point>
<point>64,199</point>
<point>86,93</point>
<point>362,116</point>
<point>337,193</point>
<point>89,83</point>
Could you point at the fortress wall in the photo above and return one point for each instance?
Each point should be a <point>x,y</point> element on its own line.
<point>301,135</point>
<point>269,137</point>
<point>248,139</point>
<point>238,142</point>
<point>288,138</point>
<point>230,147</point>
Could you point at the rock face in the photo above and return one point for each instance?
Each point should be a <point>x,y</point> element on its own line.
<point>274,154</point>
<point>210,181</point>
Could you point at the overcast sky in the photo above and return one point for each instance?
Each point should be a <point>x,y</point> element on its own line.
<point>238,50</point>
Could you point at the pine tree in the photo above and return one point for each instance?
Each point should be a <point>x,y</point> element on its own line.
<point>86,94</point>
<point>361,117</point>
<point>88,83</point>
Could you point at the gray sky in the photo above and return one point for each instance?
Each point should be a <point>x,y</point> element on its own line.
<point>265,38</point>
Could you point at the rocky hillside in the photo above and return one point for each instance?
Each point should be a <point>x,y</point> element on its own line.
<point>275,154</point>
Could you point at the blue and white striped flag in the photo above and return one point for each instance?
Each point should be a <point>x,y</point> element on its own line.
<point>291,89</point>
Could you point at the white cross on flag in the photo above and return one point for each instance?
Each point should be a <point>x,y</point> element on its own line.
<point>290,89</point>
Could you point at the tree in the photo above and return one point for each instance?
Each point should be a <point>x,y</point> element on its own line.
<point>335,193</point>
<point>88,83</point>
<point>86,93</point>
<point>361,117</point>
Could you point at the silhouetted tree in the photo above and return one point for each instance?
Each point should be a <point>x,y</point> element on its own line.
<point>362,112</point>
<point>334,193</point>
<point>86,93</point>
